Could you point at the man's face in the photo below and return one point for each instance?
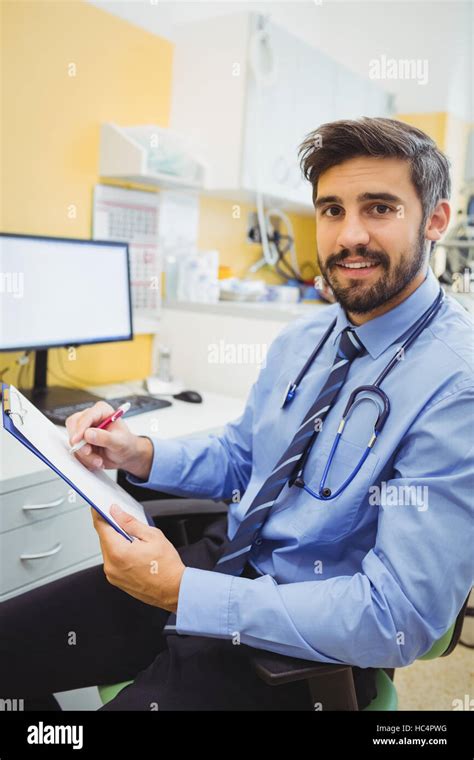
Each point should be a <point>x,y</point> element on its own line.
<point>368,212</point>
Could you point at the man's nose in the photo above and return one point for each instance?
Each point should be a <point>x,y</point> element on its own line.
<point>352,233</point>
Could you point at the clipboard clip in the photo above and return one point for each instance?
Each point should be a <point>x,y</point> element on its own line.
<point>7,407</point>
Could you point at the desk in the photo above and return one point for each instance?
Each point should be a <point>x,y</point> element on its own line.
<point>40,514</point>
<point>182,418</point>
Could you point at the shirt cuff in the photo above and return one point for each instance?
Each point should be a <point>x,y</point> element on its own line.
<point>203,603</point>
<point>166,466</point>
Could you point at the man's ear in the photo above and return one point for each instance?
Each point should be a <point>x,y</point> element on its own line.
<point>438,221</point>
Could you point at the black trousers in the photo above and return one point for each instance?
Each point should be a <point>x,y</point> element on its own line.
<point>80,631</point>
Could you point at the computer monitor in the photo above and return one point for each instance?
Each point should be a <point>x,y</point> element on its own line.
<point>62,292</point>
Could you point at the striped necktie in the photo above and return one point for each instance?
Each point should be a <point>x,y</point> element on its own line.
<point>235,552</point>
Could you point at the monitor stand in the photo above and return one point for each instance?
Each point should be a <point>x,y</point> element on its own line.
<point>47,398</point>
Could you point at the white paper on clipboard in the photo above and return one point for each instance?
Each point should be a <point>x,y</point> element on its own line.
<point>53,445</point>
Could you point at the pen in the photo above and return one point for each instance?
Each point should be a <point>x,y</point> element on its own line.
<point>123,409</point>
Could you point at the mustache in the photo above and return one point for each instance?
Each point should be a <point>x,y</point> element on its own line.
<point>371,257</point>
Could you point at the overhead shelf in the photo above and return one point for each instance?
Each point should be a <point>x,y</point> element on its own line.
<point>135,154</point>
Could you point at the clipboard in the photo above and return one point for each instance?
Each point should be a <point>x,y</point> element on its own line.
<point>96,488</point>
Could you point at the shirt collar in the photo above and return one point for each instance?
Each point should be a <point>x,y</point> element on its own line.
<point>379,333</point>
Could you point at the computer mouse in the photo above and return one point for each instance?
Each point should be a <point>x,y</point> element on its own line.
<point>193,396</point>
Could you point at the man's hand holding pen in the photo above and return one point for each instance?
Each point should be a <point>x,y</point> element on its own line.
<point>148,568</point>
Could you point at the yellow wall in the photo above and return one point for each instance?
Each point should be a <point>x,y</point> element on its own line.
<point>223,225</point>
<point>434,124</point>
<point>51,129</point>
<point>50,145</point>
<point>451,135</point>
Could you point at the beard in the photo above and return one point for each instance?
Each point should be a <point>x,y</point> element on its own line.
<point>360,297</point>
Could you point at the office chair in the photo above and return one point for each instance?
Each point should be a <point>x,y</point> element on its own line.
<point>328,684</point>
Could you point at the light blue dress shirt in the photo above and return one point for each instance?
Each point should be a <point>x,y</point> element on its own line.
<point>375,576</point>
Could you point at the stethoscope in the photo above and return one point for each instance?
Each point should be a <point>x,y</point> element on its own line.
<point>383,409</point>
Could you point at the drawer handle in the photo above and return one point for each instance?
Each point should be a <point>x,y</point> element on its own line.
<point>56,549</point>
<point>50,504</point>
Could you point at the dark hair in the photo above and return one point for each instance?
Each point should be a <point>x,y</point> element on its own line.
<point>338,141</point>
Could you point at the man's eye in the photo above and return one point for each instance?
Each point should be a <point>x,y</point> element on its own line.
<point>328,211</point>
<point>382,209</point>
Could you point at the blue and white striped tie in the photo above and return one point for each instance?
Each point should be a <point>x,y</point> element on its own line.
<point>235,552</point>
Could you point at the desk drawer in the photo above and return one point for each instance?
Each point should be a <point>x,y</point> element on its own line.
<point>30,505</point>
<point>64,540</point>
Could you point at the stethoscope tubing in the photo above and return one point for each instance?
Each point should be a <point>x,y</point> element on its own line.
<point>325,494</point>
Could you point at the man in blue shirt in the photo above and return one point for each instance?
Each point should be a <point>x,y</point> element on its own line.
<point>376,575</point>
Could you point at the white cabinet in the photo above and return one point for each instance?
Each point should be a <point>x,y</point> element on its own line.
<point>357,96</point>
<point>215,103</point>
<point>208,94</point>
<point>46,532</point>
<point>302,98</point>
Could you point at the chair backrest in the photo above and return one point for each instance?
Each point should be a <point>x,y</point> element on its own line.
<point>448,640</point>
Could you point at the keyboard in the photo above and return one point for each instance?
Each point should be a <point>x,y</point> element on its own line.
<point>139,405</point>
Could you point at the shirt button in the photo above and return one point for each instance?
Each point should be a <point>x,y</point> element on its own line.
<point>258,541</point>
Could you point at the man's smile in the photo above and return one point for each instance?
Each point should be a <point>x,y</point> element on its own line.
<point>357,268</point>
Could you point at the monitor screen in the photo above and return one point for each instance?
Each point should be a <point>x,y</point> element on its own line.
<point>62,292</point>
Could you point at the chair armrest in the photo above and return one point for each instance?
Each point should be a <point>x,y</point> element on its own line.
<point>174,507</point>
<point>330,686</point>
<point>457,628</point>
<point>276,669</point>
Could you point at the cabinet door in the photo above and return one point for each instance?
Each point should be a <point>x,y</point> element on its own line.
<point>280,114</point>
<point>27,506</point>
<point>378,101</point>
<point>357,95</point>
<point>350,94</point>
<point>36,551</point>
